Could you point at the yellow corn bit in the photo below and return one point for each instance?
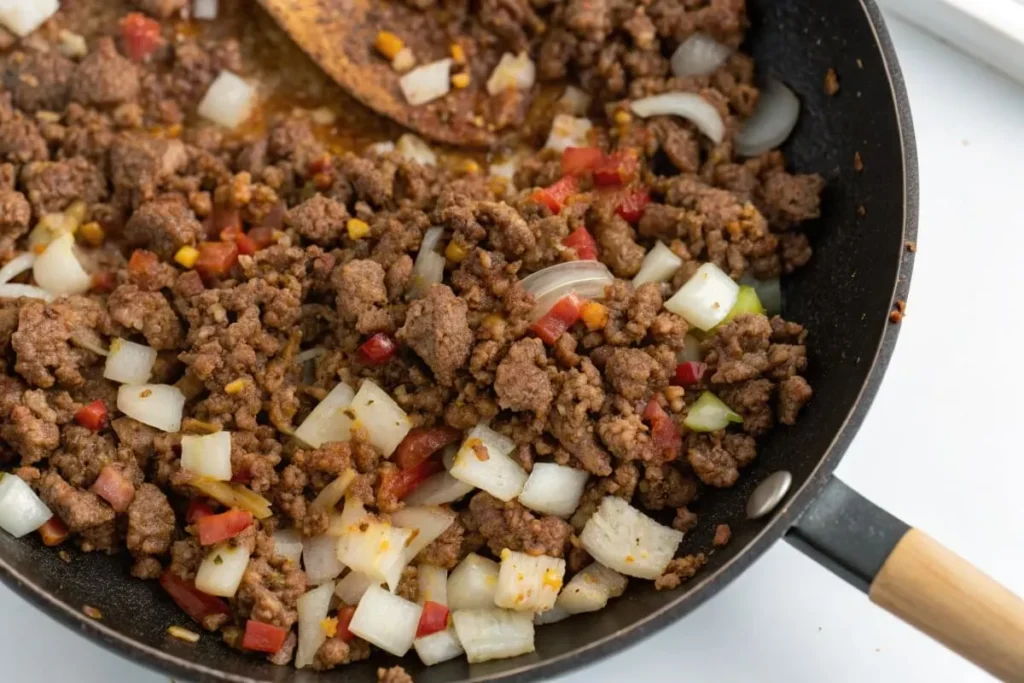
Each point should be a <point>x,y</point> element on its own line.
<point>388,44</point>
<point>458,54</point>
<point>77,212</point>
<point>357,229</point>
<point>232,388</point>
<point>330,626</point>
<point>187,256</point>
<point>622,117</point>
<point>92,233</point>
<point>461,80</point>
<point>470,166</point>
<point>595,315</point>
<point>403,61</point>
<point>455,253</point>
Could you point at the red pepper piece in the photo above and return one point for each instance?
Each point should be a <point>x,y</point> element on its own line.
<point>668,440</point>
<point>378,349</point>
<point>143,264</point>
<point>92,416</point>
<point>396,484</point>
<point>422,442</point>
<point>103,282</point>
<point>560,318</point>
<point>434,618</point>
<point>633,204</point>
<point>217,528</point>
<point>53,532</point>
<point>140,36</point>
<point>690,372</point>
<point>582,242</point>
<point>619,168</point>
<point>114,487</point>
<point>216,259</point>
<point>190,599</point>
<point>260,637</point>
<point>554,197</point>
<point>581,159</point>
<point>344,619</point>
<point>197,509</point>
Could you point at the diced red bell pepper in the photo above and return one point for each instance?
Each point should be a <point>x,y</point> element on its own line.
<point>344,619</point>
<point>619,168</point>
<point>396,484</point>
<point>582,242</point>
<point>422,442</point>
<point>53,532</point>
<point>103,282</point>
<point>580,159</point>
<point>668,440</point>
<point>434,618</point>
<point>114,487</point>
<point>190,599</point>
<point>633,204</point>
<point>554,197</point>
<point>140,36</point>
<point>378,349</point>
<point>92,416</point>
<point>690,372</point>
<point>216,259</point>
<point>198,508</point>
<point>143,264</point>
<point>217,528</point>
<point>260,637</point>
<point>262,236</point>
<point>560,318</point>
<point>242,476</point>
<point>321,164</point>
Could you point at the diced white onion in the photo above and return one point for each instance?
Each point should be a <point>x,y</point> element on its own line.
<point>21,510</point>
<point>329,420</point>
<point>58,270</point>
<point>382,147</point>
<point>769,292</point>
<point>288,544</point>
<point>472,584</point>
<point>204,9</point>
<point>691,350</point>
<point>50,227</point>
<point>426,83</point>
<point>772,121</point>
<point>386,620</point>
<point>438,647</point>
<point>552,616</point>
<point>312,608</point>
<point>574,101</point>
<point>588,279</point>
<point>156,405</point>
<point>506,170</point>
<point>483,461</point>
<point>528,583</point>
<point>427,522</point>
<point>688,105</point>
<point>512,73</point>
<point>591,589</point>
<point>438,489</point>
<point>416,149</point>
<point>208,455</point>
<point>659,265</point>
<point>706,298</point>
<point>129,363</point>
<point>222,570</point>
<point>233,496</point>
<point>350,518</point>
<point>568,131</point>
<point>229,101</point>
<point>432,582</point>
<point>16,266</point>
<point>429,267</point>
<point>553,489</point>
<point>309,354</point>
<point>351,588</point>
<point>698,55</point>
<point>488,634</point>
<point>320,559</point>
<point>376,549</point>
<point>385,423</point>
<point>329,495</point>
<point>16,291</point>
<point>22,17</point>
<point>624,539</point>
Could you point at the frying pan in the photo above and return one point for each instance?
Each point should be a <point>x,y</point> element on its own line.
<point>844,296</point>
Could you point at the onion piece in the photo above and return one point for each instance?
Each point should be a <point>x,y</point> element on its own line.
<point>554,489</point>
<point>288,544</point>
<point>769,292</point>
<point>429,267</point>
<point>552,616</point>
<point>381,148</point>
<point>591,589</point>
<point>58,270</point>
<point>156,405</point>
<point>698,55</point>
<point>659,265</point>
<point>320,559</point>
<point>329,420</point>
<point>351,588</point>
<point>438,647</point>
<point>22,17</point>
<point>438,489</point>
<point>16,266</point>
<point>427,522</point>
<point>624,539</point>
<point>706,298</point>
<point>691,350</point>
<point>483,461</point>
<point>208,456</point>
<point>129,363</point>
<point>15,291</point>
<point>386,620</point>
<point>416,149</point>
<point>50,227</point>
<point>329,496</point>
<point>689,106</point>
<point>222,570</point>
<point>488,634</point>
<point>588,279</point>
<point>353,514</point>
<point>312,608</point>
<point>432,582</point>
<point>233,496</point>
<point>574,101</point>
<point>568,131</point>
<point>385,423</point>
<point>427,83</point>
<point>87,338</point>
<point>528,583</point>
<point>512,73</point>
<point>21,510</point>
<point>308,354</point>
<point>204,9</point>
<point>772,122</point>
<point>709,414</point>
<point>229,101</point>
<point>472,584</point>
<point>376,549</point>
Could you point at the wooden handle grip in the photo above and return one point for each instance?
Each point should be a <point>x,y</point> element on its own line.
<point>941,594</point>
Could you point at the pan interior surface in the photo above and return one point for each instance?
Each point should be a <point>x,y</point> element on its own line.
<point>843,297</point>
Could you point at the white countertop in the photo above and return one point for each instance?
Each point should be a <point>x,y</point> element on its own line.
<point>937,448</point>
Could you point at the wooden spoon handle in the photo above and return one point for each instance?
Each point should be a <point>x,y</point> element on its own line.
<point>936,591</point>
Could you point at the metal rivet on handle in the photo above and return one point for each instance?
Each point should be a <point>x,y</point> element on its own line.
<point>768,494</point>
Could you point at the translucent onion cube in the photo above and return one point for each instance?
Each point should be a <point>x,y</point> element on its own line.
<point>156,405</point>
<point>229,100</point>
<point>376,549</point>
<point>386,620</point>
<point>591,589</point>
<point>659,265</point>
<point>22,17</point>
<point>624,539</point>
<point>129,363</point>
<point>320,559</point>
<point>706,298</point>
<point>329,420</point>
<point>473,583</point>
<point>569,131</point>
<point>483,461</point>
<point>527,583</point>
<point>385,423</point>
<point>208,455</point>
<point>222,570</point>
<point>312,608</point>
<point>488,634</point>
<point>426,522</point>
<point>21,510</point>
<point>432,584</point>
<point>438,647</point>
<point>351,589</point>
<point>554,489</point>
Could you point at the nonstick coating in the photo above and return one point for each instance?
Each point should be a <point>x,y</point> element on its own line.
<point>861,265</point>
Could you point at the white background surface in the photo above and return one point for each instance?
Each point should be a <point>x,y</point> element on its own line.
<point>937,449</point>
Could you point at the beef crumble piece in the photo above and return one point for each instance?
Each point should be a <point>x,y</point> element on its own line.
<point>510,525</point>
<point>362,296</point>
<point>163,226</point>
<point>437,329</point>
<point>105,78</point>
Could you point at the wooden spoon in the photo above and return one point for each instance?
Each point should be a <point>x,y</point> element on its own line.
<point>339,35</point>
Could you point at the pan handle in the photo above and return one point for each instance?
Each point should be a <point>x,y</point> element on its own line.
<point>913,577</point>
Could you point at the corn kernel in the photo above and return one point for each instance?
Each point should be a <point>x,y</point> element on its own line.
<point>357,229</point>
<point>458,54</point>
<point>403,61</point>
<point>77,212</point>
<point>595,315</point>
<point>187,256</point>
<point>622,117</point>
<point>461,80</point>
<point>388,44</point>
<point>92,233</point>
<point>232,388</point>
<point>330,627</point>
<point>470,166</point>
<point>455,253</point>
